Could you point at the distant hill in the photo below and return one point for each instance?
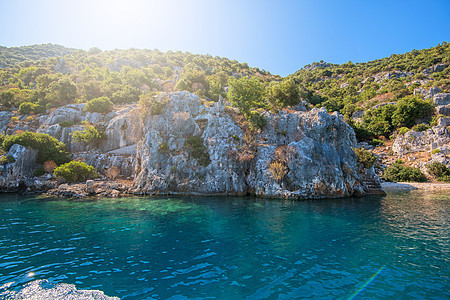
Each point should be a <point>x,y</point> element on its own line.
<point>11,56</point>
<point>366,94</point>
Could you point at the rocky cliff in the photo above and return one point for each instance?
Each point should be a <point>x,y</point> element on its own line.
<point>191,147</point>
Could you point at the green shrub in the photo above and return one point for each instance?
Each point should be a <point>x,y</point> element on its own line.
<point>420,127</point>
<point>66,124</point>
<point>152,104</point>
<point>257,120</point>
<point>99,105</point>
<point>27,107</point>
<point>90,135</point>
<point>48,147</point>
<point>75,171</point>
<point>403,130</point>
<point>197,150</point>
<point>365,158</point>
<point>398,172</point>
<point>163,147</point>
<point>439,170</point>
<point>377,142</point>
<point>39,171</point>
<point>6,159</point>
<point>436,151</point>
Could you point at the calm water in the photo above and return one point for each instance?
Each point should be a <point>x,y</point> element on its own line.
<point>231,248</point>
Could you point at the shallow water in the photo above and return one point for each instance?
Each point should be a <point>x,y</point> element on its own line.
<point>395,246</point>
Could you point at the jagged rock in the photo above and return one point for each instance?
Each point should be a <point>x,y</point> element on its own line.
<point>390,75</point>
<point>71,113</point>
<point>413,141</point>
<point>23,163</point>
<point>427,94</point>
<point>435,68</point>
<point>312,148</point>
<point>124,129</point>
<point>441,99</point>
<point>443,110</point>
<point>104,161</point>
<point>444,122</point>
<point>90,187</point>
<point>5,117</point>
<point>45,289</point>
<point>315,147</point>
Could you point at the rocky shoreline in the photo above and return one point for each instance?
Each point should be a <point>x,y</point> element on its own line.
<point>392,187</point>
<point>190,147</point>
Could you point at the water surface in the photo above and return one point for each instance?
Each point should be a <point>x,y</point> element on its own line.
<point>231,248</point>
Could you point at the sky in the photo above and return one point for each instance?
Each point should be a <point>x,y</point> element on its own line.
<point>278,36</point>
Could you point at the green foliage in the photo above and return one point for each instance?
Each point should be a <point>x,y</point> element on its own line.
<point>75,171</point>
<point>99,105</point>
<point>435,151</point>
<point>15,55</point>
<point>66,124</point>
<point>163,147</point>
<point>61,92</point>
<point>197,150</point>
<point>39,171</point>
<point>152,104</point>
<point>126,94</point>
<point>398,172</point>
<point>257,120</point>
<point>365,158</point>
<point>409,109</point>
<point>420,127</point>
<point>282,94</point>
<point>377,142</point>
<point>245,93</point>
<point>403,130</point>
<point>48,147</point>
<point>90,135</point>
<point>439,170</point>
<point>26,108</point>
<point>6,159</point>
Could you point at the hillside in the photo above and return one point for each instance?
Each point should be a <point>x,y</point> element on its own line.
<point>398,106</point>
<point>12,56</point>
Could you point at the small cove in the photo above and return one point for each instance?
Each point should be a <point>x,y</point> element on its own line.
<point>394,246</point>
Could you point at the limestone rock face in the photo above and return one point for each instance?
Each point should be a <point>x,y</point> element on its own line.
<point>191,147</point>
<point>312,148</point>
<point>22,166</point>
<point>437,137</point>
<point>5,116</point>
<point>441,99</point>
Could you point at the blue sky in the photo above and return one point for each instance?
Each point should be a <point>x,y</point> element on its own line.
<point>278,36</point>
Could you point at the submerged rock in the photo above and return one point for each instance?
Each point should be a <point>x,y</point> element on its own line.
<point>45,289</point>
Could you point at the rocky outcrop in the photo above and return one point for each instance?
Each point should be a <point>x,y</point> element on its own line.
<point>312,149</point>
<point>19,166</point>
<point>435,68</point>
<point>195,148</point>
<point>441,99</point>
<point>413,141</point>
<point>45,289</point>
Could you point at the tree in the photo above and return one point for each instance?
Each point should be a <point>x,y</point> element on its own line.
<point>409,109</point>
<point>282,94</point>
<point>61,92</point>
<point>245,93</point>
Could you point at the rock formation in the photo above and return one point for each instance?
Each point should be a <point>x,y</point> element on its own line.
<point>301,153</point>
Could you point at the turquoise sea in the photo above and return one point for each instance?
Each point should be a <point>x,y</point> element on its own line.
<point>391,247</point>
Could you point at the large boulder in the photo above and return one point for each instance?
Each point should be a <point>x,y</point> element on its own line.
<point>21,162</point>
